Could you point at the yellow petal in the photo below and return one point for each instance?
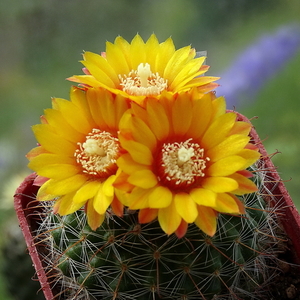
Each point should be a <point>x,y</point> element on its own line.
<point>142,133</point>
<point>93,217</point>
<point>226,166</point>
<point>35,152</point>
<point>101,202</point>
<point>151,50</point>
<point>116,57</point>
<point>144,179</point>
<point>87,191</point>
<point>94,98</point>
<point>241,128</point>
<point>199,125</point>
<point>51,141</point>
<point>250,156</point>
<point>137,51</point>
<point>166,51</point>
<point>169,219</point>
<point>175,64</point>
<point>101,69</point>
<point>227,203</point>
<point>182,114</point>
<point>74,116</point>
<point>160,197</point>
<point>207,220</point>
<point>188,72</point>
<point>204,197</point>
<point>246,185</point>
<point>219,184</point>
<point>230,146</point>
<point>219,107</point>
<point>218,130</point>
<point>57,121</point>
<point>107,186</point>
<point>158,120</point>
<point>42,159</point>
<point>43,195</point>
<point>57,171</point>
<point>65,186</point>
<point>139,152</point>
<point>138,198</point>
<point>128,165</point>
<point>147,215</point>
<point>186,207</point>
<point>65,205</point>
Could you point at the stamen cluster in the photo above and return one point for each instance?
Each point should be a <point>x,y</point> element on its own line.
<point>142,82</point>
<point>183,162</point>
<point>98,154</point>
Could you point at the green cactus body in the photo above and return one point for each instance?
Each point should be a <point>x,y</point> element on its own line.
<point>126,260</point>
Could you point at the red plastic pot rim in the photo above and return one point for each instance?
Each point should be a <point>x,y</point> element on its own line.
<point>25,203</point>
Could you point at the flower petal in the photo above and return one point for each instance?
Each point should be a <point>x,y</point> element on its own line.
<point>227,203</point>
<point>181,114</point>
<point>65,205</point>
<point>147,215</point>
<point>204,197</point>
<point>219,184</point>
<point>144,179</point>
<point>93,217</point>
<point>66,185</point>
<point>246,185</point>
<point>230,146</point>
<point>87,191</point>
<point>226,166</point>
<point>218,130</point>
<point>101,201</point>
<point>186,207</point>
<point>169,219</point>
<point>139,152</point>
<point>160,197</point>
<point>207,220</point>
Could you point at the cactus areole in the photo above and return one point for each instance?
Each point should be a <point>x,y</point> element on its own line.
<point>30,214</point>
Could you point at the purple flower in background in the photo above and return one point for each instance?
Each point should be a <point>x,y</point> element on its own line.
<point>258,63</point>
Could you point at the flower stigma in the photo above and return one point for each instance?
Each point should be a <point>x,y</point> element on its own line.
<point>142,82</point>
<point>98,154</point>
<point>182,163</point>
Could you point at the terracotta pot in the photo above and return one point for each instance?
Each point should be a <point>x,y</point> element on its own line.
<point>27,209</point>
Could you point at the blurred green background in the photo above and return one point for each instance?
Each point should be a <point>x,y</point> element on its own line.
<point>42,42</point>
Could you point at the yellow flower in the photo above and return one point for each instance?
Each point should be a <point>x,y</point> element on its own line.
<point>138,69</point>
<point>77,153</point>
<point>186,161</point>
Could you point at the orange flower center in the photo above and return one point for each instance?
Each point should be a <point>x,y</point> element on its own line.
<point>142,82</point>
<point>182,163</point>
<point>98,154</point>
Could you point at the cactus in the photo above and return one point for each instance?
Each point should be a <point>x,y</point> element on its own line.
<point>123,259</point>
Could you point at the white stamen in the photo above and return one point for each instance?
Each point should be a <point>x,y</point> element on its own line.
<point>98,154</point>
<point>142,82</point>
<point>183,162</point>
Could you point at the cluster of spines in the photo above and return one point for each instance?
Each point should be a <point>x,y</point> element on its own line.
<point>125,260</point>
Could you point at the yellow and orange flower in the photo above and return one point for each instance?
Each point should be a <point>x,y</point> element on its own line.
<point>77,153</point>
<point>139,69</point>
<point>186,161</point>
